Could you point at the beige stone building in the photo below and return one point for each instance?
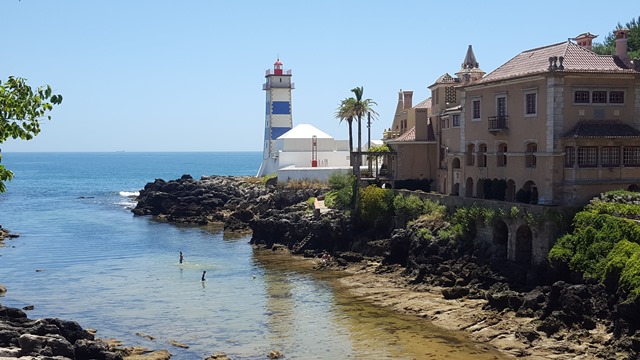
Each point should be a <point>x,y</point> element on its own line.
<point>412,137</point>
<point>555,125</point>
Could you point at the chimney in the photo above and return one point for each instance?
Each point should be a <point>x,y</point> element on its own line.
<point>408,99</point>
<point>621,46</point>
<point>585,40</point>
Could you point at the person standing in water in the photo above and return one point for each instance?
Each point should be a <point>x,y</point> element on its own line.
<point>203,273</point>
<point>181,257</point>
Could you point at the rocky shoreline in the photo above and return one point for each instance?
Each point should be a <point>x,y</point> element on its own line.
<point>453,285</point>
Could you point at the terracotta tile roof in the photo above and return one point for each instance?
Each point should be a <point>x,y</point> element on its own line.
<point>576,59</point>
<point>409,135</point>
<point>602,129</point>
<point>446,78</point>
<point>424,104</point>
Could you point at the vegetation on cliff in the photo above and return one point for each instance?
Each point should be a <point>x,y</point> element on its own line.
<point>604,245</point>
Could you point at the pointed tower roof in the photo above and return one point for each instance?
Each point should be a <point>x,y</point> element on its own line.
<point>470,61</point>
<point>470,68</point>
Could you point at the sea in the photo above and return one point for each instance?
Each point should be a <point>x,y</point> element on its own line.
<point>82,255</point>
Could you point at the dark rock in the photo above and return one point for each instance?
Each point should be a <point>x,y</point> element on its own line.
<point>52,345</point>
<point>455,292</point>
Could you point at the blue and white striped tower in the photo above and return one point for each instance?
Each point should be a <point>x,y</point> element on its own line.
<point>278,119</point>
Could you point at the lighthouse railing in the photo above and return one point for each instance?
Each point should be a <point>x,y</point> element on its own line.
<point>267,86</point>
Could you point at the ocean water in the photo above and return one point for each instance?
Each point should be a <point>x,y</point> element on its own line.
<point>83,256</point>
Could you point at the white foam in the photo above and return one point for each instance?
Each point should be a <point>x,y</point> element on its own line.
<point>130,193</point>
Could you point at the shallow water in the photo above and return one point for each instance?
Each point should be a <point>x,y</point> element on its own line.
<point>83,256</point>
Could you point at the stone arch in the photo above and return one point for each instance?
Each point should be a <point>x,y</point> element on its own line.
<point>480,189</point>
<point>455,163</point>
<point>524,243</point>
<point>634,188</point>
<point>528,193</point>
<point>510,191</point>
<point>469,188</point>
<point>500,239</point>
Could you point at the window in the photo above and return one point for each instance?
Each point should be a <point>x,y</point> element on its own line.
<point>476,109</point>
<point>501,106</point>
<point>470,150</point>
<point>599,97</point>
<point>502,155</point>
<point>631,156</point>
<point>610,156</point>
<point>456,120</point>
<point>581,97</point>
<point>442,123</point>
<point>482,155</point>
<point>616,97</point>
<point>587,156</point>
<point>530,155</point>
<point>569,156</point>
<point>531,104</point>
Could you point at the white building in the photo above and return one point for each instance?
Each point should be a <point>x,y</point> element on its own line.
<point>301,152</point>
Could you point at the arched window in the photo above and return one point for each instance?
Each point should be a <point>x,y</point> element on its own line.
<point>470,155</point>
<point>501,155</point>
<point>530,155</point>
<point>482,155</point>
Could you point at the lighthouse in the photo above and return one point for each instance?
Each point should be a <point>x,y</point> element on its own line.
<point>278,119</point>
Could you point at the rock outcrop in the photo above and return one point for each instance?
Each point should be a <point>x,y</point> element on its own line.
<point>233,201</point>
<point>49,338</point>
<point>280,217</point>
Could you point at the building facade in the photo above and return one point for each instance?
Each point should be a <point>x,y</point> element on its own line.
<point>555,125</point>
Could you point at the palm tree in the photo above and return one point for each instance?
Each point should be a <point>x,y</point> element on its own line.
<point>344,113</point>
<point>349,109</point>
<point>361,108</point>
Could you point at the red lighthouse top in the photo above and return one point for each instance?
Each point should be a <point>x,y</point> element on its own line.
<point>277,67</point>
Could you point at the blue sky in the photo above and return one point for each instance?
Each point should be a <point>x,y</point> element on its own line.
<point>187,75</point>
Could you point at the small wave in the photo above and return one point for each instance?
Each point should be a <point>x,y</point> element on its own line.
<point>126,204</point>
<point>130,193</point>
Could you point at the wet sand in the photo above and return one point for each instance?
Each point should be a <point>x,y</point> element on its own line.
<point>498,330</point>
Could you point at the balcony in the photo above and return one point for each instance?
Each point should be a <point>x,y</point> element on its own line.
<point>274,85</point>
<point>498,123</point>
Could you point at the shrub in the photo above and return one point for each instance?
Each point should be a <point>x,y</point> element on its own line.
<point>605,243</point>
<point>618,258</point>
<point>408,207</point>
<point>311,202</point>
<point>266,178</point>
<point>341,193</point>
<point>339,180</point>
<point>375,203</point>
<point>630,277</point>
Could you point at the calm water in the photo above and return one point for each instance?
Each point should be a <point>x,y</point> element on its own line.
<point>83,256</point>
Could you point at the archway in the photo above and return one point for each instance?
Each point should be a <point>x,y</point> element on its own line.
<point>634,188</point>
<point>524,242</point>
<point>456,190</point>
<point>469,188</point>
<point>480,189</point>
<point>500,239</point>
<point>528,194</point>
<point>510,192</point>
